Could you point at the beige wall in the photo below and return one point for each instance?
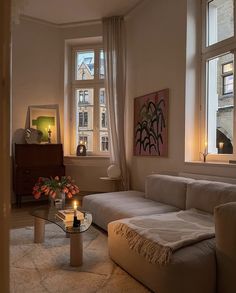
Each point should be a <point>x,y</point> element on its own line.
<point>37,57</point>
<point>156,36</point>
<point>156,59</point>
<point>38,79</point>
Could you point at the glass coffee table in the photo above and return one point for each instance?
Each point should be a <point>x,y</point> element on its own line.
<point>50,214</point>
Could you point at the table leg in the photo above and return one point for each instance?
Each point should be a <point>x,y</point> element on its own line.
<point>76,249</point>
<point>39,230</point>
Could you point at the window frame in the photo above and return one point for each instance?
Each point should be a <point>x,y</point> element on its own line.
<point>207,53</point>
<point>97,83</point>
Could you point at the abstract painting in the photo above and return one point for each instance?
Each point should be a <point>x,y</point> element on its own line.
<point>151,124</point>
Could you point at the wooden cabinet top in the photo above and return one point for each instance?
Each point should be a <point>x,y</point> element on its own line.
<point>38,155</point>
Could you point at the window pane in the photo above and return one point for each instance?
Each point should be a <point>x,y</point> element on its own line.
<point>220,106</point>
<point>103,110</point>
<point>227,68</point>
<point>220,21</point>
<point>85,65</point>
<point>84,96</point>
<point>84,102</point>
<point>101,65</point>
<point>228,84</point>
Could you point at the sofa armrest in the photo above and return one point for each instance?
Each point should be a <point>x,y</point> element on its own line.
<point>225,224</point>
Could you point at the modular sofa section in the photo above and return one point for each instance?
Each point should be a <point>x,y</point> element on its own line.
<point>206,195</point>
<point>192,268</point>
<point>170,190</point>
<point>108,207</point>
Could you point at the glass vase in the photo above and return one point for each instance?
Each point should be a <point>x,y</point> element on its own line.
<point>58,201</point>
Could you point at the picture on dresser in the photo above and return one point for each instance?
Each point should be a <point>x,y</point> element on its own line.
<point>151,124</point>
<point>46,119</point>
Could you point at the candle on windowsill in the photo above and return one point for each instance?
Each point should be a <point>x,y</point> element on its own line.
<point>221,145</point>
<point>205,149</point>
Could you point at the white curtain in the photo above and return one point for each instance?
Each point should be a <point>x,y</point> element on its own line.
<point>115,68</point>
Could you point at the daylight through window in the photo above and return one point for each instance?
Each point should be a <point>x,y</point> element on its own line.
<point>218,65</point>
<point>90,112</point>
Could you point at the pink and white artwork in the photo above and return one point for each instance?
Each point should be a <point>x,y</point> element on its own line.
<point>151,124</point>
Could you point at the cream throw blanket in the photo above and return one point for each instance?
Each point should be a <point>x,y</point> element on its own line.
<point>156,237</point>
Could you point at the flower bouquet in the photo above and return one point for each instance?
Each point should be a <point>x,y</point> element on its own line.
<point>51,186</point>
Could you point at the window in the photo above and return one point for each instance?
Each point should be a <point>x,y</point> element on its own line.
<point>83,140</point>
<point>104,143</point>
<point>90,117</point>
<point>83,119</point>
<point>218,81</point>
<point>227,78</point>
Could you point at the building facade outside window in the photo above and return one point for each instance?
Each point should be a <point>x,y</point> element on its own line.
<point>219,45</point>
<point>88,105</point>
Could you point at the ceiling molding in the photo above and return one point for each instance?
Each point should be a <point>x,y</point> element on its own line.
<point>60,25</point>
<point>133,8</point>
<point>75,24</point>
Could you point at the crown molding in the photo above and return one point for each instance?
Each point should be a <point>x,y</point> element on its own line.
<point>60,25</point>
<point>129,13</point>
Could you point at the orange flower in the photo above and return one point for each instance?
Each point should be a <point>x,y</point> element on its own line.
<point>69,195</point>
<point>37,195</point>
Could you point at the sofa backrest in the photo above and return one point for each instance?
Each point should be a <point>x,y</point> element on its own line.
<point>206,195</point>
<point>167,189</point>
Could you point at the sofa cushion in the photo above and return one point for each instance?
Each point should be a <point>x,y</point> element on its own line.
<point>108,207</point>
<point>206,195</point>
<point>167,189</point>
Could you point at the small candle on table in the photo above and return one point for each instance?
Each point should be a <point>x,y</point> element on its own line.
<point>75,209</point>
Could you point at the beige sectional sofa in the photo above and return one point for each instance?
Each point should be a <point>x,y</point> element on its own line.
<point>192,268</point>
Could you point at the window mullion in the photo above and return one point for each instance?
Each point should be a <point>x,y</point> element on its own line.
<point>234,113</point>
<point>96,120</point>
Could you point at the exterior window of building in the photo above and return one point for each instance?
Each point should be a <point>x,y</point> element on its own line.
<point>227,78</point>
<point>83,140</point>
<point>89,114</point>
<point>104,143</point>
<point>218,65</point>
<point>83,119</point>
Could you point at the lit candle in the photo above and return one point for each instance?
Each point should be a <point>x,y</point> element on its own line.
<point>81,142</point>
<point>205,150</point>
<point>49,127</point>
<point>75,208</point>
<point>221,145</point>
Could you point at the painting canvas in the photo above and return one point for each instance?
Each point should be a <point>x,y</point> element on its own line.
<point>45,120</point>
<point>151,124</point>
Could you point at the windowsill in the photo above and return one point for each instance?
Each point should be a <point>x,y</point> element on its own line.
<point>88,157</point>
<point>211,164</point>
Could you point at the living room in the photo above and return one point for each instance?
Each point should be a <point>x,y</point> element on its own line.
<point>163,44</point>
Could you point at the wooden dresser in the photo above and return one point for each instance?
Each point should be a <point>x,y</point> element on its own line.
<point>32,161</point>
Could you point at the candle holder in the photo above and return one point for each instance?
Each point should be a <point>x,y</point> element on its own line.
<point>204,154</point>
<point>49,135</point>
<point>76,222</point>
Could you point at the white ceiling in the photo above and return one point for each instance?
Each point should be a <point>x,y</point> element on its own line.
<point>69,11</point>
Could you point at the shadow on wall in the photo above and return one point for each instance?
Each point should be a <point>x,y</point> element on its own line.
<point>19,136</point>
